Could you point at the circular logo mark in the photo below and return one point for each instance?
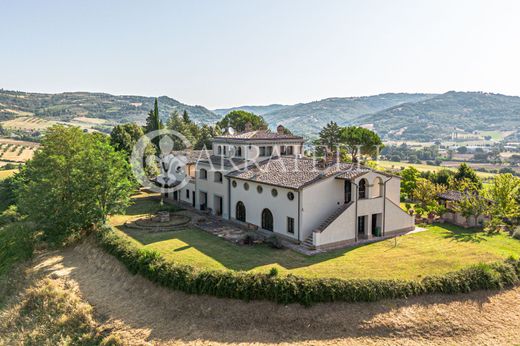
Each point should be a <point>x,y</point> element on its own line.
<point>155,164</point>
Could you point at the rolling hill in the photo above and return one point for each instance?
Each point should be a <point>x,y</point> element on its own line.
<point>116,109</point>
<point>439,116</point>
<point>260,110</point>
<point>402,116</point>
<point>309,118</point>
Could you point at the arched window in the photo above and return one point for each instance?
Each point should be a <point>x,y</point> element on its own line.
<point>378,187</point>
<point>363,189</point>
<point>218,177</point>
<point>267,220</point>
<point>238,151</point>
<point>203,174</point>
<point>240,212</point>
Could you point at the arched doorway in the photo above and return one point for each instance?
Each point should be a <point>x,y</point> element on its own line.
<point>240,212</point>
<point>267,220</point>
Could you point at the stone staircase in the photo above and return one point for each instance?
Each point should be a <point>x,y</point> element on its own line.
<point>333,217</point>
<point>307,243</point>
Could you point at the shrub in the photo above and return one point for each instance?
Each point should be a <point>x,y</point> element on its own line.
<point>9,215</point>
<point>292,289</point>
<point>273,271</point>
<point>516,233</point>
<point>274,242</point>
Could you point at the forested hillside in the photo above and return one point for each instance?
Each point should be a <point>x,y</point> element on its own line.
<point>66,106</point>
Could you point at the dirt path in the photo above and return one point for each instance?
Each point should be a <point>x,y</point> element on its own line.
<point>143,313</point>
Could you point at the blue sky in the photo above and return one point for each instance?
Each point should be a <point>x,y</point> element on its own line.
<point>225,53</point>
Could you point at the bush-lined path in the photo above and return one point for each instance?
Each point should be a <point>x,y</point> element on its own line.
<point>142,313</point>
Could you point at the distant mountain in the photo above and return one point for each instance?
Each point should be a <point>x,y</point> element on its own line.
<point>259,110</point>
<point>308,118</point>
<point>439,116</point>
<point>116,109</point>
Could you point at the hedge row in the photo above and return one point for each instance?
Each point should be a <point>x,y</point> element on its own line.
<point>292,289</point>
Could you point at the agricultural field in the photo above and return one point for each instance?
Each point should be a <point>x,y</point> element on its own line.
<point>15,151</point>
<point>393,165</point>
<point>33,124</point>
<point>30,124</point>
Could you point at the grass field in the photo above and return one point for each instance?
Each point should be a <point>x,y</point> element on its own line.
<point>28,124</point>
<point>7,173</point>
<point>438,250</point>
<point>16,151</point>
<point>424,168</point>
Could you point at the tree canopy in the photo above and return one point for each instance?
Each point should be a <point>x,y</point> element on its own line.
<point>124,137</point>
<point>465,172</point>
<point>74,181</point>
<point>238,119</point>
<point>360,141</point>
<point>329,136</point>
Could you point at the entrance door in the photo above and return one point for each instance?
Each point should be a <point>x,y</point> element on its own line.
<point>374,225</point>
<point>361,225</point>
<point>218,205</point>
<point>175,196</point>
<point>348,191</point>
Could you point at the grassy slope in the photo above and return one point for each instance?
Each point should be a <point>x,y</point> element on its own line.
<point>440,249</point>
<point>7,173</point>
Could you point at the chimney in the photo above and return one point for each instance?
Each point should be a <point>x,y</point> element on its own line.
<point>248,127</point>
<point>280,129</point>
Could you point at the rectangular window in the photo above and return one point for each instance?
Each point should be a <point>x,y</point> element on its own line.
<point>290,225</point>
<point>225,149</point>
<point>262,151</point>
<point>268,151</point>
<point>289,150</point>
<point>188,194</point>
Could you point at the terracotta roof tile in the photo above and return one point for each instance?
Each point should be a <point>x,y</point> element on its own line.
<point>291,172</point>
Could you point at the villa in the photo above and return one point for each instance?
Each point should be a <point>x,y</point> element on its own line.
<point>261,180</point>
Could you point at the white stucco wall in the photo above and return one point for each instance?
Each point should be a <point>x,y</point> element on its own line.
<point>191,187</point>
<point>212,189</point>
<point>319,201</point>
<point>280,206</point>
<point>393,190</point>
<point>250,150</point>
<point>341,229</point>
<point>397,219</point>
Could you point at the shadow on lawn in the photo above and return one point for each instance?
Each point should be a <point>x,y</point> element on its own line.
<point>467,235</point>
<point>233,256</point>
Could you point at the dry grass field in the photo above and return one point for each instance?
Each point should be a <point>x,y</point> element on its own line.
<point>84,292</point>
<point>28,124</point>
<point>15,151</point>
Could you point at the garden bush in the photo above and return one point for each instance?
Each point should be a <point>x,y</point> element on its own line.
<point>293,289</point>
<point>516,233</point>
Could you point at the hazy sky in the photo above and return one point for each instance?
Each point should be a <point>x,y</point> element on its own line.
<point>225,53</point>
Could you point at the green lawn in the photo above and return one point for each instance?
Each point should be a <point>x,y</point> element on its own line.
<point>438,250</point>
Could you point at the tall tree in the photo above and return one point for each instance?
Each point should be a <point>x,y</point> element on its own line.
<point>360,141</point>
<point>465,172</point>
<point>124,137</point>
<point>238,120</point>
<point>329,136</point>
<point>409,177</point>
<point>504,191</point>
<point>153,121</point>
<point>75,180</point>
